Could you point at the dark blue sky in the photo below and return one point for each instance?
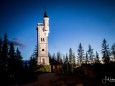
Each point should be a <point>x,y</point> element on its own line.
<point>71,22</point>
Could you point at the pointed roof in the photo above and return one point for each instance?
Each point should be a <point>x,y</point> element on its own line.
<point>45,14</point>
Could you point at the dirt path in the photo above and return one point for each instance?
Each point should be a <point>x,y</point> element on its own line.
<point>44,79</point>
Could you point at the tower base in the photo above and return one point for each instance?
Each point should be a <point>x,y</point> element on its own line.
<point>43,68</point>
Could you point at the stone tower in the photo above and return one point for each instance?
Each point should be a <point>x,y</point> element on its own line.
<point>42,37</point>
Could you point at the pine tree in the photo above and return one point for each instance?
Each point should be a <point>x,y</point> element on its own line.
<point>54,56</point>
<point>11,61</point>
<point>50,57</point>
<point>33,59</point>
<point>65,64</point>
<point>18,55</point>
<point>11,51</point>
<point>80,54</point>
<point>97,58</point>
<point>71,67</point>
<point>1,55</point>
<point>105,51</point>
<point>5,54</point>
<point>113,51</point>
<point>18,59</point>
<point>86,58</point>
<point>0,47</point>
<point>59,57</point>
<point>74,60</point>
<point>70,56</point>
<point>5,49</point>
<point>91,54</point>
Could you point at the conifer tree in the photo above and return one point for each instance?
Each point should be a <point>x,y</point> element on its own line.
<point>54,56</point>
<point>5,54</point>
<point>33,59</point>
<point>59,57</point>
<point>97,58</point>
<point>74,60</point>
<point>65,64</point>
<point>18,59</point>
<point>80,54</point>
<point>1,55</point>
<point>71,60</point>
<point>18,55</point>
<point>0,47</point>
<point>113,51</point>
<point>5,49</point>
<point>11,61</point>
<point>105,51</point>
<point>11,51</point>
<point>86,58</point>
<point>91,54</point>
<point>70,56</point>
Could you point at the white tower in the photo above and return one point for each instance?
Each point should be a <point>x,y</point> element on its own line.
<point>42,37</point>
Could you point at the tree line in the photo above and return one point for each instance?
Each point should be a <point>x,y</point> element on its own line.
<point>13,70</point>
<point>88,57</point>
<point>70,61</point>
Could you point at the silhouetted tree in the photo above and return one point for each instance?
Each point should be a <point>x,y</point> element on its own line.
<point>97,58</point>
<point>65,64</point>
<point>11,51</point>
<point>113,51</point>
<point>11,61</point>
<point>54,56</point>
<point>50,57</point>
<point>59,59</point>
<point>86,58</point>
<point>0,52</point>
<point>18,55</point>
<point>0,46</point>
<point>33,59</point>
<point>5,55</point>
<point>5,48</point>
<point>91,54</point>
<point>71,65</point>
<point>74,60</point>
<point>80,54</point>
<point>1,62</point>
<point>105,51</point>
<point>18,60</point>
<point>32,62</point>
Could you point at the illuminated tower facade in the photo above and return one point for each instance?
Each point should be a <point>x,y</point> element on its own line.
<point>42,37</point>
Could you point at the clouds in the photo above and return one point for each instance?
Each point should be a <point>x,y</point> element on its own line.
<point>17,42</point>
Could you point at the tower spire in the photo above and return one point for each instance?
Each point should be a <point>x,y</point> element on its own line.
<point>45,14</point>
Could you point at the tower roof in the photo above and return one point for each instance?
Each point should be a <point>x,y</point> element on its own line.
<point>45,14</point>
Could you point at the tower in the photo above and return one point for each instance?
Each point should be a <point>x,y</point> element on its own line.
<point>42,37</point>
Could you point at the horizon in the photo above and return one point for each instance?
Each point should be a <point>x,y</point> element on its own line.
<point>71,23</point>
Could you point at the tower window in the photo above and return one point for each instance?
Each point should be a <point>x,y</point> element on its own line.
<point>42,49</point>
<point>42,39</point>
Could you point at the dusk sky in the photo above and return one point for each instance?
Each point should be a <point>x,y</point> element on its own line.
<point>71,22</point>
